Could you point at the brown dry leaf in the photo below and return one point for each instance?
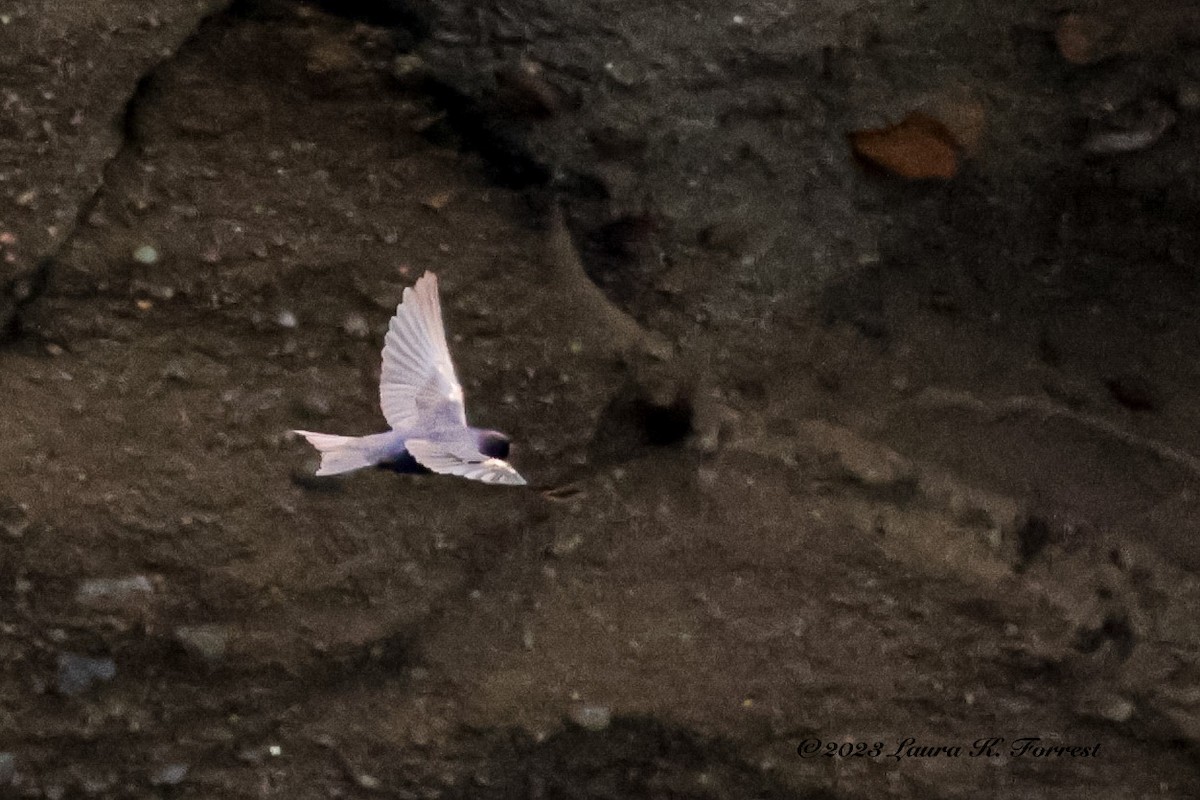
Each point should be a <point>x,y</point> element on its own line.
<point>918,147</point>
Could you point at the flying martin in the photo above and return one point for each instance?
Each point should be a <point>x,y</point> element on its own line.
<point>422,401</point>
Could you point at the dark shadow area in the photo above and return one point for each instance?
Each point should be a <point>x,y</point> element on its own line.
<point>632,758</point>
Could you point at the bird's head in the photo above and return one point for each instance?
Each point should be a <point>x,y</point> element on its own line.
<point>493,444</point>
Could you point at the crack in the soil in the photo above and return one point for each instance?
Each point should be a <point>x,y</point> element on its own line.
<point>25,289</point>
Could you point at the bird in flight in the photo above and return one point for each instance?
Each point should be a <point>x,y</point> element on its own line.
<point>422,401</point>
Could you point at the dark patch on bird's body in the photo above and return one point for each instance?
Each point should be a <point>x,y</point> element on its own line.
<point>492,444</point>
<point>404,464</point>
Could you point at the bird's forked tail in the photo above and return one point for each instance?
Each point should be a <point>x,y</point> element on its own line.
<point>339,453</point>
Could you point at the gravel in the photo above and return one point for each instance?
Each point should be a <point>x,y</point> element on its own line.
<point>77,674</point>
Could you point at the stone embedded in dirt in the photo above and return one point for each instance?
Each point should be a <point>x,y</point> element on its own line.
<point>116,590</point>
<point>368,782</point>
<point>1130,130</point>
<point>565,543</point>
<point>410,69</point>
<point>175,370</point>
<point>209,642</point>
<point>919,147</point>
<point>1106,706</point>
<point>146,254</point>
<point>14,518</point>
<point>156,290</point>
<point>286,319</point>
<point>623,72</point>
<point>356,325</point>
<point>169,775</point>
<point>8,768</point>
<point>438,201</point>
<point>316,405</point>
<point>591,717</point>
<point>1116,709</point>
<point>77,674</point>
<point>714,424</point>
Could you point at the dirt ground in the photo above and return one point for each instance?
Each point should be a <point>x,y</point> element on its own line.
<point>816,454</point>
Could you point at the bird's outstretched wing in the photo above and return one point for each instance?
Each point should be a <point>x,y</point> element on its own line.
<point>418,389</point>
<point>462,457</point>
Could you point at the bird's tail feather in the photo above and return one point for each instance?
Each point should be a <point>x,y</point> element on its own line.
<point>339,453</point>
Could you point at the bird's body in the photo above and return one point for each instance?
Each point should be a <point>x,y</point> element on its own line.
<point>404,464</point>
<point>396,458</point>
<point>423,402</point>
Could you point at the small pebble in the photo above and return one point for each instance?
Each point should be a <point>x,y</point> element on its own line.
<point>77,674</point>
<point>316,405</point>
<point>174,370</point>
<point>100,589</point>
<point>409,69</point>
<point>356,326</point>
<point>14,518</point>
<point>1116,709</point>
<point>207,641</point>
<point>169,775</point>
<point>146,254</point>
<point>590,717</point>
<point>1135,134</point>
<point>622,72</point>
<point>286,319</point>
<point>565,543</point>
